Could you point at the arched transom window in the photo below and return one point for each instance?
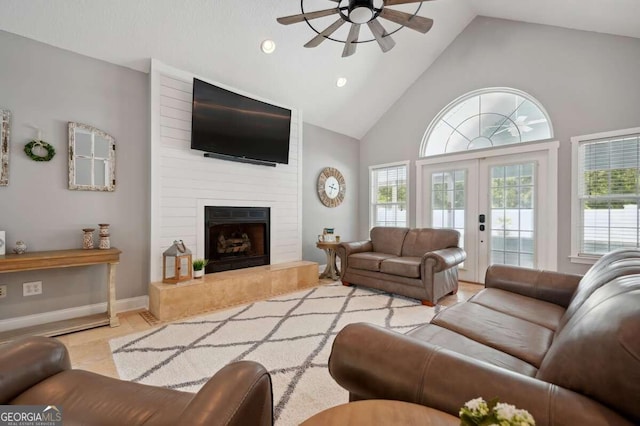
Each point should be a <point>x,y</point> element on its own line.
<point>486,118</point>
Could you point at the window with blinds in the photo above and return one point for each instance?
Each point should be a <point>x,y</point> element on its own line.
<point>389,195</point>
<point>608,193</point>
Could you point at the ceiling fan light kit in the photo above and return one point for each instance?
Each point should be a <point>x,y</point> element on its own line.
<point>357,13</point>
<point>360,11</point>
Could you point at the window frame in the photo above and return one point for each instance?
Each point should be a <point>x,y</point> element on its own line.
<point>372,206</point>
<point>479,92</point>
<point>576,212</point>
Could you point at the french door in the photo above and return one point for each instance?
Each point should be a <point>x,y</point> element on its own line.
<point>503,205</point>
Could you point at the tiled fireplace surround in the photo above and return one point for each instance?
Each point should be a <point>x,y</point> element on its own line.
<point>183,182</point>
<point>228,288</point>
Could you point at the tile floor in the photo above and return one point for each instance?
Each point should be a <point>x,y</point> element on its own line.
<point>89,349</point>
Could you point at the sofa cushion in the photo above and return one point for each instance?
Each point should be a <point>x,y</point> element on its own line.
<point>533,310</point>
<point>388,239</point>
<point>403,266</point>
<point>369,261</point>
<point>515,336</point>
<point>421,241</point>
<point>457,342</point>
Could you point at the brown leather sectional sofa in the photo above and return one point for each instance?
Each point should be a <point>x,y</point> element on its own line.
<point>417,263</point>
<point>564,347</point>
<point>37,371</point>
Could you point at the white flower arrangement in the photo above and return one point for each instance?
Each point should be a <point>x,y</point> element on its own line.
<point>478,412</point>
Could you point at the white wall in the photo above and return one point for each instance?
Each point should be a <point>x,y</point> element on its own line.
<point>183,181</point>
<point>324,148</point>
<point>47,87</point>
<point>588,83</point>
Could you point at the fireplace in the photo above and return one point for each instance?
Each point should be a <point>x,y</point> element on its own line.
<point>236,237</point>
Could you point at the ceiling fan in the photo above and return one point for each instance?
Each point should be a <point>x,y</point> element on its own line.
<point>360,12</point>
<point>518,126</point>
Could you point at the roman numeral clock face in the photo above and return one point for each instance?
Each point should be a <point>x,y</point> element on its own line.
<point>331,187</point>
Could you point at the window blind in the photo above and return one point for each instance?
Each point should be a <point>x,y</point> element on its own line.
<point>389,196</point>
<point>609,194</point>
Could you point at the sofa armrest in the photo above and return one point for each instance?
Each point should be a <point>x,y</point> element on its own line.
<point>344,250</point>
<point>554,287</point>
<point>375,363</point>
<point>354,247</point>
<point>238,394</point>
<point>445,258</point>
<point>26,362</point>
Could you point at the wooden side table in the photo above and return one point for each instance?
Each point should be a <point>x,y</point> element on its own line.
<point>381,412</point>
<point>331,270</point>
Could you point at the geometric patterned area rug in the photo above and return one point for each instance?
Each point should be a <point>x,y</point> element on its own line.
<point>291,335</point>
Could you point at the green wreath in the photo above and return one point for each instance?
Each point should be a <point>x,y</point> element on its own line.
<point>28,149</point>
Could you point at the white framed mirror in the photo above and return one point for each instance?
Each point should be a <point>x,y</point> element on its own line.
<point>92,159</point>
<point>5,132</point>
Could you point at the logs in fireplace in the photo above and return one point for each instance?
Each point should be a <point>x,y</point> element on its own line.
<point>236,237</point>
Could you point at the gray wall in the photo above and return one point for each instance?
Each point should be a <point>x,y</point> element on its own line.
<point>588,82</point>
<point>47,87</point>
<point>323,148</point>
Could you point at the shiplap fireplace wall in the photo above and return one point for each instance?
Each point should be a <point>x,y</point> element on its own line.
<point>183,182</point>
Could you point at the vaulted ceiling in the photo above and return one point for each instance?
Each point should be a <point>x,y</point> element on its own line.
<point>220,39</point>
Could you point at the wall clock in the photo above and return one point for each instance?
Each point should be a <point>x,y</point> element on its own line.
<point>331,187</point>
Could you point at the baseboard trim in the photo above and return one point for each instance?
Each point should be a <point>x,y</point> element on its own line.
<point>131,304</point>
<point>122,305</point>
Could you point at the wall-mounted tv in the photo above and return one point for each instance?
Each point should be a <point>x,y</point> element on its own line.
<point>232,126</point>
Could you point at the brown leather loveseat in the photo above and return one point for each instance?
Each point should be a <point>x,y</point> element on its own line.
<point>37,371</point>
<point>564,347</point>
<point>417,263</point>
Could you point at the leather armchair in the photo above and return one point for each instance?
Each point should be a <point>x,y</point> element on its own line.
<point>37,371</point>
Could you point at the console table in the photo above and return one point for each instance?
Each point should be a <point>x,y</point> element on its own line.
<point>64,259</point>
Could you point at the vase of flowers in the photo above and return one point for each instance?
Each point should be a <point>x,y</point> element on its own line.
<point>478,412</point>
<point>198,267</point>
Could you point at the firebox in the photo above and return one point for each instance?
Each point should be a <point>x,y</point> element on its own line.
<point>236,237</point>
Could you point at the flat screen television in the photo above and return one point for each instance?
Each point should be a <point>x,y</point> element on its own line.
<point>236,127</point>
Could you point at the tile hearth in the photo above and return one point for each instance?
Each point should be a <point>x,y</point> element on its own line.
<point>223,289</point>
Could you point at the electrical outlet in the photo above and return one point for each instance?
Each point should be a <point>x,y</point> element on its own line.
<point>3,291</point>
<point>32,288</point>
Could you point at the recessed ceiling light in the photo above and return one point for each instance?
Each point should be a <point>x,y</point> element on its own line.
<point>268,46</point>
<point>341,81</point>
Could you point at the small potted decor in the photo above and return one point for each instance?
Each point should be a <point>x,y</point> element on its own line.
<point>198,267</point>
<point>478,412</point>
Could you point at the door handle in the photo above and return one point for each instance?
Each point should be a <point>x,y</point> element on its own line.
<point>481,219</point>
<point>482,227</point>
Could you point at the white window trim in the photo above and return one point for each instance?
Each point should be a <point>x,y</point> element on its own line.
<point>384,166</point>
<point>575,257</point>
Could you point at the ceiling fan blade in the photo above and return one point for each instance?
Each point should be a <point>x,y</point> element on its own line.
<point>415,22</point>
<point>294,19</point>
<point>384,40</point>
<point>349,44</point>
<point>326,33</point>
<point>392,2</point>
